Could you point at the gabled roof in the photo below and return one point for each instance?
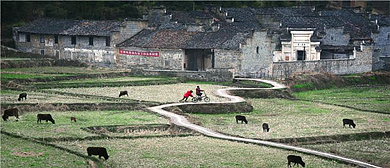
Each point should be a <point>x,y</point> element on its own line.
<point>355,24</point>
<point>71,27</point>
<point>227,37</point>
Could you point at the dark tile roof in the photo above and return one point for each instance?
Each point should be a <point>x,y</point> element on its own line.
<point>355,24</point>
<point>382,20</point>
<point>241,14</point>
<point>71,27</point>
<point>310,22</point>
<point>227,37</point>
<point>190,17</point>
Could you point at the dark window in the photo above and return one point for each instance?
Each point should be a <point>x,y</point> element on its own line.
<point>28,37</point>
<point>388,36</point>
<point>56,39</point>
<point>42,39</point>
<point>58,53</point>
<point>43,52</point>
<point>257,49</point>
<point>108,41</point>
<point>90,40</point>
<point>74,40</point>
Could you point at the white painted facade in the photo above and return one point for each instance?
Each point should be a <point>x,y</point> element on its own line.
<point>300,44</point>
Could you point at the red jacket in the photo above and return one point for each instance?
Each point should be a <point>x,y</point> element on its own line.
<point>187,94</point>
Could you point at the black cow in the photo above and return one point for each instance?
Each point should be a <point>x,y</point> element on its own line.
<point>72,119</point>
<point>349,122</point>
<point>241,118</point>
<point>10,112</point>
<point>295,159</point>
<point>97,151</point>
<point>46,117</point>
<point>22,95</point>
<point>122,93</point>
<point>265,127</point>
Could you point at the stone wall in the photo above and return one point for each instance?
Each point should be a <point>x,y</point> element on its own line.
<point>362,63</point>
<point>335,36</point>
<point>229,59</point>
<point>382,49</point>
<point>168,59</point>
<point>257,54</point>
<point>129,29</point>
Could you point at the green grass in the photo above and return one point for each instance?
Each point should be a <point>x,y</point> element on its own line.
<point>198,151</point>
<point>11,97</point>
<point>10,76</point>
<point>376,98</point>
<point>104,82</point>
<point>294,119</point>
<point>27,126</point>
<point>17,152</point>
<point>376,151</point>
<point>304,86</point>
<point>58,70</point>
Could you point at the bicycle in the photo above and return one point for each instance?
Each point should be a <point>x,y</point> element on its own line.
<point>204,97</point>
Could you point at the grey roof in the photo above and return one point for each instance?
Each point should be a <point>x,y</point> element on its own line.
<point>71,27</point>
<point>310,22</point>
<point>227,37</point>
<point>355,24</point>
<point>382,20</point>
<point>241,14</point>
<point>190,17</point>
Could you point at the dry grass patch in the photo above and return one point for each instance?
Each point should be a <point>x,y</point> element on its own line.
<point>376,151</point>
<point>157,93</point>
<point>293,119</point>
<point>196,151</point>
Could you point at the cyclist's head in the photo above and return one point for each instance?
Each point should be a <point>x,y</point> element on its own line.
<point>197,86</point>
<point>191,91</point>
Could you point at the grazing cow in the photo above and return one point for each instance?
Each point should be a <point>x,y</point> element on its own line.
<point>122,93</point>
<point>241,118</point>
<point>349,122</point>
<point>265,127</point>
<point>295,159</point>
<point>10,112</point>
<point>46,117</point>
<point>22,95</point>
<point>72,119</point>
<point>97,151</point>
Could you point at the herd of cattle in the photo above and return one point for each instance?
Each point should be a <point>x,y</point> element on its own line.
<point>101,151</point>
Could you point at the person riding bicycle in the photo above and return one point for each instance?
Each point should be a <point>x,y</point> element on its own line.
<point>199,92</point>
<point>187,94</point>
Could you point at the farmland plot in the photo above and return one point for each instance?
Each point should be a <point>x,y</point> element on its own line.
<point>376,151</point>
<point>158,93</point>
<point>27,125</point>
<point>11,96</point>
<point>16,152</point>
<point>293,119</point>
<point>194,151</point>
<point>376,98</point>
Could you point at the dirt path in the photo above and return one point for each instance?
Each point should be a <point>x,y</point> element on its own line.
<point>182,121</point>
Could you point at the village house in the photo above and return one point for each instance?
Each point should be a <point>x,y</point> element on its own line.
<point>267,43</point>
<point>84,40</point>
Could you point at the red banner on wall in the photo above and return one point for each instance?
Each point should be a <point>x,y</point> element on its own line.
<point>148,54</point>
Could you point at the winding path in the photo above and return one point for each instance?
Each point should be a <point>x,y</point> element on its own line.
<point>182,121</point>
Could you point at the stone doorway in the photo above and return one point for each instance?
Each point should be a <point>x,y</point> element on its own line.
<point>198,59</point>
<point>301,54</point>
